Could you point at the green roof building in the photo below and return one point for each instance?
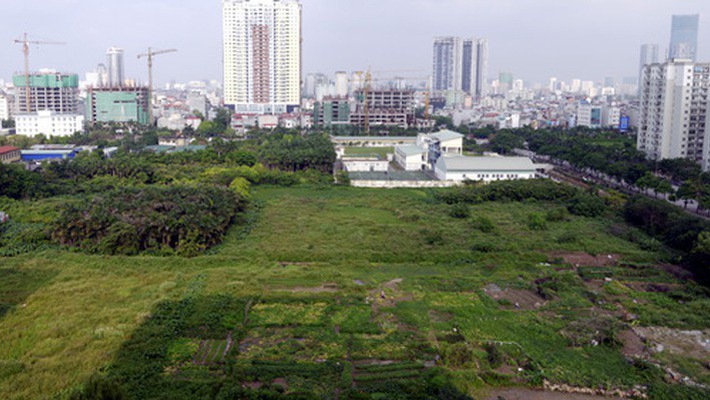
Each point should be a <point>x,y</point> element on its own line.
<point>332,111</point>
<point>117,104</point>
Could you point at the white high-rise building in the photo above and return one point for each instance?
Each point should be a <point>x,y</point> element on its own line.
<point>460,65</point>
<point>5,106</point>
<point>674,115</point>
<point>649,55</point>
<point>262,55</point>
<point>114,56</point>
<point>341,84</point>
<point>611,116</point>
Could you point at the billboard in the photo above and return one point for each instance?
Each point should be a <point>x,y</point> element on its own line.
<point>624,123</point>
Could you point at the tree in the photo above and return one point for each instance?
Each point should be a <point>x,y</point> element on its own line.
<point>664,187</point>
<point>505,141</point>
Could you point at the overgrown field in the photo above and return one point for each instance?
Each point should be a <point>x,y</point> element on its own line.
<point>327,292</point>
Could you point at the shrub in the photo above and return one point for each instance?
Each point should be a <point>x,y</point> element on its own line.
<point>586,205</point>
<point>460,211</point>
<point>485,225</point>
<point>556,215</point>
<point>537,222</point>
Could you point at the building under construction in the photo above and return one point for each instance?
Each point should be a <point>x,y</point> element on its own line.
<point>49,91</point>
<point>332,111</point>
<point>118,104</point>
<point>388,107</point>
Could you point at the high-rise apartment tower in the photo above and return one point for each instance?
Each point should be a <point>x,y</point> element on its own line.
<point>262,55</point>
<point>460,65</point>
<point>674,114</point>
<point>649,55</point>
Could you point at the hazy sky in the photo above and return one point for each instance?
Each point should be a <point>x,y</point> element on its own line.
<point>533,39</point>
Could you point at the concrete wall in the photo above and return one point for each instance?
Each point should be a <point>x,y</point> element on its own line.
<point>403,184</point>
<point>365,166</point>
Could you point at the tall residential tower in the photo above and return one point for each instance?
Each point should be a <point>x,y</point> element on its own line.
<point>262,55</point>
<point>649,55</point>
<point>460,65</point>
<point>674,118</point>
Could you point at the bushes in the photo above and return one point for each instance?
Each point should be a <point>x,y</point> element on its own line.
<point>537,222</point>
<point>459,211</point>
<point>526,190</point>
<point>665,222</point>
<point>156,219</point>
<point>586,206</point>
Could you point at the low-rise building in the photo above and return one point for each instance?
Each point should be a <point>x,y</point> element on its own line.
<point>486,169</point>
<point>411,157</point>
<point>365,164</point>
<point>177,141</point>
<point>48,123</point>
<point>9,154</point>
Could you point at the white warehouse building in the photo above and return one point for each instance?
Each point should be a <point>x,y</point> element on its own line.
<point>486,169</point>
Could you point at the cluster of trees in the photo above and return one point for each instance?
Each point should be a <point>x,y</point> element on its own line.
<point>615,155</point>
<point>577,201</point>
<point>675,228</point>
<point>295,152</point>
<point>185,220</point>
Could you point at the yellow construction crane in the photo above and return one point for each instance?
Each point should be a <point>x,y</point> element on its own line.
<point>26,50</point>
<point>149,55</point>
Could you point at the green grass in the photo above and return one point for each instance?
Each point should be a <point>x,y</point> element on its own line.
<point>369,151</point>
<point>303,287</point>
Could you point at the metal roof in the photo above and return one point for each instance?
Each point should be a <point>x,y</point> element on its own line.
<point>461,163</point>
<point>410,150</point>
<point>446,135</point>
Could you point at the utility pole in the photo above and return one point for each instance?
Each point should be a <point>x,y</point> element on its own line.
<point>149,55</point>
<point>26,50</point>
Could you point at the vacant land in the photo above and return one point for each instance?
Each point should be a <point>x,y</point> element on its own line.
<point>339,291</point>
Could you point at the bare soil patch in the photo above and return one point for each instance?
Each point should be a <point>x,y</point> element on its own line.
<point>633,345</point>
<point>528,394</point>
<point>388,295</point>
<point>652,287</point>
<point>325,288</point>
<point>581,259</point>
<point>694,344</point>
<point>518,299</point>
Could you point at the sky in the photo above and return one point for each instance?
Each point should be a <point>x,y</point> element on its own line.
<point>533,39</point>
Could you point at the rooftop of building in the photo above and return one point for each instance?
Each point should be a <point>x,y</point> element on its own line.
<point>445,135</point>
<point>410,150</point>
<point>373,138</point>
<point>390,176</point>
<point>8,149</point>
<point>53,147</point>
<point>461,163</point>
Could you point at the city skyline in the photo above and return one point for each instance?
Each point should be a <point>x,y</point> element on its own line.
<point>551,37</point>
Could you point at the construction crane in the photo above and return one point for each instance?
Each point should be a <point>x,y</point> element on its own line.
<point>26,50</point>
<point>149,55</point>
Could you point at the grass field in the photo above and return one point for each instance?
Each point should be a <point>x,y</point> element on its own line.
<point>330,289</point>
<point>369,151</point>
